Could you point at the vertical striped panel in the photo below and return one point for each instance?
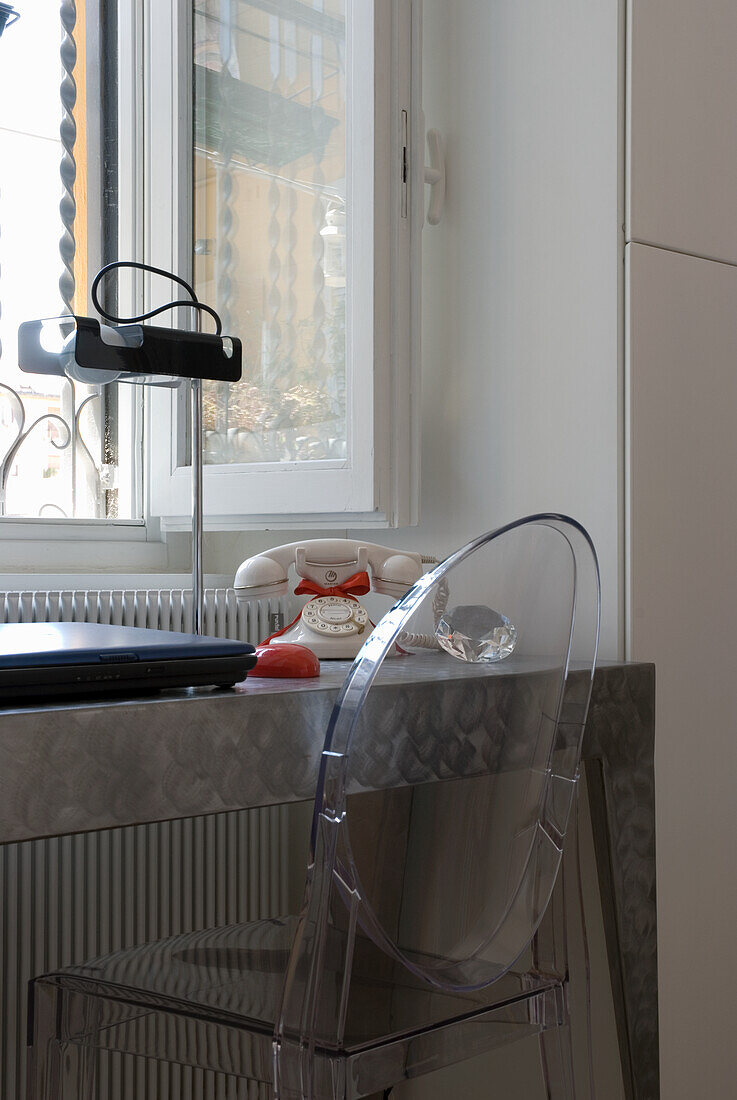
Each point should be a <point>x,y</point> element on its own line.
<point>158,609</point>
<point>67,899</point>
<point>70,898</point>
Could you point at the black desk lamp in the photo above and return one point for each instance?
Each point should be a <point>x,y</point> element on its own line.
<point>82,349</point>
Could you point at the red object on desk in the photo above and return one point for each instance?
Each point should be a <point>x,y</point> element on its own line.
<point>285,661</point>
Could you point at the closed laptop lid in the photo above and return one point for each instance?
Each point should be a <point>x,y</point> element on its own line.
<point>37,645</point>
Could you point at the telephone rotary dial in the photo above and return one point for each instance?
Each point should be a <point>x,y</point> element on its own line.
<point>334,572</point>
<point>334,616</point>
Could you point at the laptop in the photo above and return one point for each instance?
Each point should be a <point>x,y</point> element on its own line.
<point>51,659</point>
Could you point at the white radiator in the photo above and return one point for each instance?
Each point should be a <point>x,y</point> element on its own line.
<point>157,608</point>
<point>70,898</point>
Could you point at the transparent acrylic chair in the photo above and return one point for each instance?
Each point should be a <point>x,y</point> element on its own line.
<point>427,933</point>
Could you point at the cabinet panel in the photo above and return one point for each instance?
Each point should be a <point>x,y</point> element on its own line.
<point>682,541</point>
<point>682,136</point>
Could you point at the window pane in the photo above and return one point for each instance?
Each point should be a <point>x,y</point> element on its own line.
<point>71,462</point>
<point>270,222</point>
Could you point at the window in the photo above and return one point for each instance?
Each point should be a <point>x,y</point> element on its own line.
<point>66,450</point>
<point>270,225</point>
<point>297,213</point>
<point>264,150</point>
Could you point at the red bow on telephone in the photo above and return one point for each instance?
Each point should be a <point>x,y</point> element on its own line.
<point>357,585</point>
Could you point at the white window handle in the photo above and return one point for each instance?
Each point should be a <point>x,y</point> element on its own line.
<point>435,176</point>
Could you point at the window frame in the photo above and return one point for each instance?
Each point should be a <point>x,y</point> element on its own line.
<point>379,485</point>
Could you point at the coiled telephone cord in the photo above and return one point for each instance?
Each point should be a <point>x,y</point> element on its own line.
<point>409,640</point>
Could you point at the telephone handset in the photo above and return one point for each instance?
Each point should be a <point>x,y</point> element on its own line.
<point>334,572</point>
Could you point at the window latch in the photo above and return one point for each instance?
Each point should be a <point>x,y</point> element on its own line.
<point>435,176</point>
<point>405,163</point>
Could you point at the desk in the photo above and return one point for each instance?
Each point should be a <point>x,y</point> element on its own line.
<point>74,768</point>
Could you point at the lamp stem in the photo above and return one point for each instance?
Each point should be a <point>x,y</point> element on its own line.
<point>198,593</point>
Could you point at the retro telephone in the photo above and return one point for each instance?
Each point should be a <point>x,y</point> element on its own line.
<point>334,572</point>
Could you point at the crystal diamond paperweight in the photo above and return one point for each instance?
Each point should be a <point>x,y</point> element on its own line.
<point>474,633</point>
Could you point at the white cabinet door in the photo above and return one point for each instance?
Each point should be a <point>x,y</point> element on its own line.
<point>682,132</point>
<point>682,541</point>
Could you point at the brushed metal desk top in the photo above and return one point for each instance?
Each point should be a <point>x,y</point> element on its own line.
<point>78,766</point>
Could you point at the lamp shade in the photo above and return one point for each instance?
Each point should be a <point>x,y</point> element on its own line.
<point>8,15</point>
<point>86,351</point>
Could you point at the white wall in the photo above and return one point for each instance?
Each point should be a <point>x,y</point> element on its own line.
<point>682,529</point>
<point>521,380</point>
<point>683,546</point>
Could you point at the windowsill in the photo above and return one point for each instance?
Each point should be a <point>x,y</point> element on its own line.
<point>287,521</point>
<point>97,579</point>
<point>31,547</point>
<point>49,528</point>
